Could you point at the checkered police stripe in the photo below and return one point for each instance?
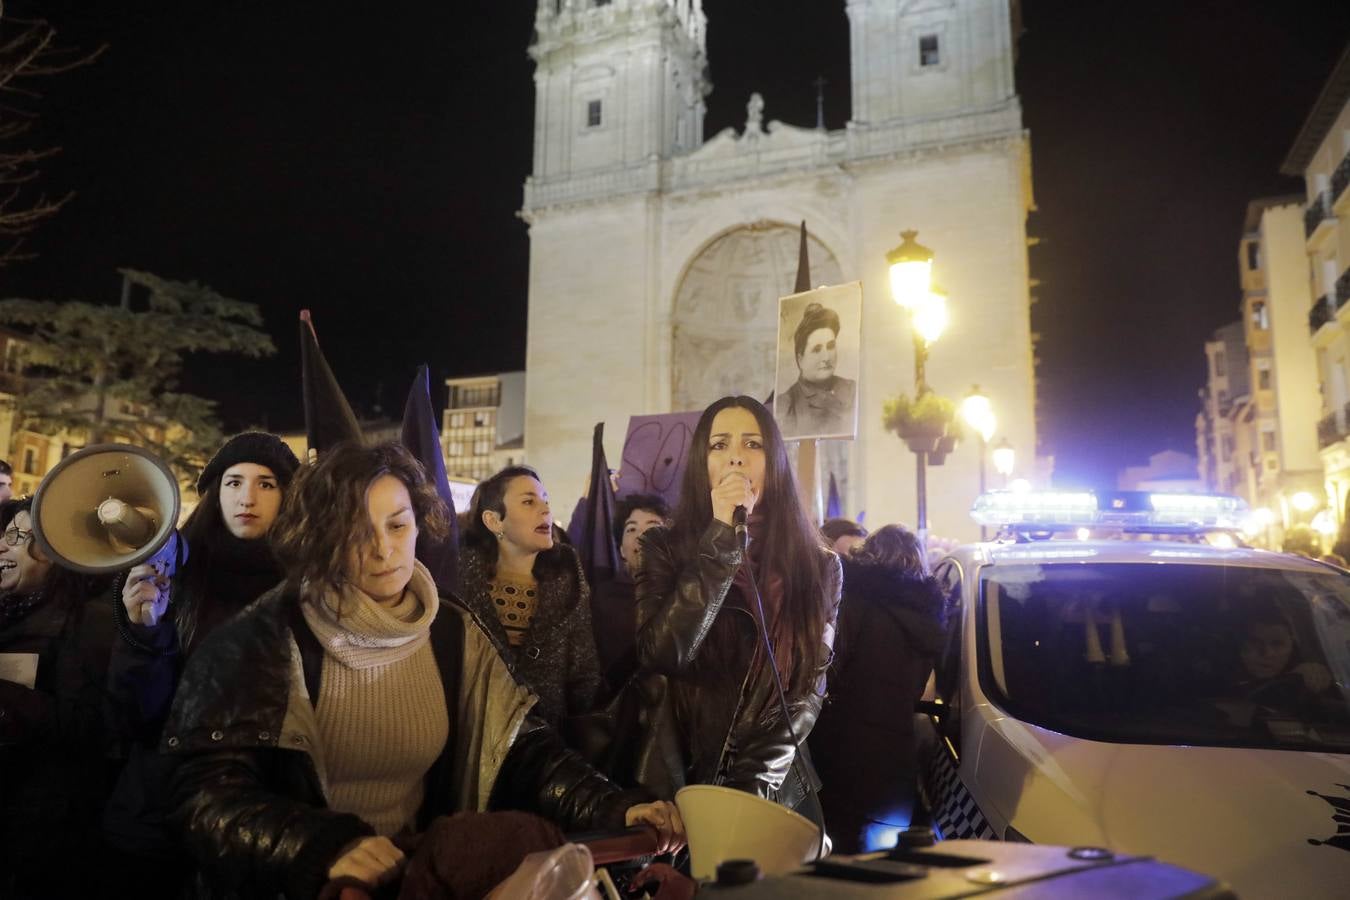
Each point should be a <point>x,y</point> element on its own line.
<point>955,814</point>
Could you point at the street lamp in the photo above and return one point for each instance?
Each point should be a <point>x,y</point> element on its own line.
<point>978,413</point>
<point>1003,459</point>
<point>910,267</point>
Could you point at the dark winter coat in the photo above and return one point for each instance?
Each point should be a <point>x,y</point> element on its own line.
<point>147,663</point>
<point>890,633</point>
<point>249,793</point>
<point>728,723</point>
<point>55,767</point>
<point>558,659</point>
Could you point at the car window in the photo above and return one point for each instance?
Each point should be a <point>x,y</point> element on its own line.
<point>1173,653</point>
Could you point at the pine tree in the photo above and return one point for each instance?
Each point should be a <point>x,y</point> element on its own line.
<point>111,372</point>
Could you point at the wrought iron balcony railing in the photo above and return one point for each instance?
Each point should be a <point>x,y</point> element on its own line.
<point>1317,211</point>
<point>1340,179</point>
<point>1320,314</point>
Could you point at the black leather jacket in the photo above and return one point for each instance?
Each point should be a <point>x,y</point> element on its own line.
<point>729,726</point>
<point>248,795</point>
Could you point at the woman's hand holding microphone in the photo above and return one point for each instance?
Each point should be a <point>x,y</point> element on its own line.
<point>732,491</point>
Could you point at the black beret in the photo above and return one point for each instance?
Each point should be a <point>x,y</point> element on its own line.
<point>256,447</point>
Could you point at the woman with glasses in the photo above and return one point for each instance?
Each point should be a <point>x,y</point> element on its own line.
<point>162,621</point>
<point>56,628</point>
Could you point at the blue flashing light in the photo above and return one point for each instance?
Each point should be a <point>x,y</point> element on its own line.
<point>1073,510</point>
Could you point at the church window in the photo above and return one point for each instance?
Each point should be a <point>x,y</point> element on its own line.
<point>929,55</point>
<point>593,116</point>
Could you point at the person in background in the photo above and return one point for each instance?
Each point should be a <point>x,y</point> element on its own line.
<point>843,535</point>
<point>530,592</point>
<point>351,704</point>
<point>890,633</point>
<point>162,622</point>
<point>614,603</point>
<point>699,622</point>
<point>6,481</point>
<point>56,631</point>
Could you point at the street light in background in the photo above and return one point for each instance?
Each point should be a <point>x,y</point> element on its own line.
<point>910,267</point>
<point>1003,459</point>
<point>978,413</point>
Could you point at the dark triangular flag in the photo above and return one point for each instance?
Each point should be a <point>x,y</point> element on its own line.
<point>328,417</point>
<point>803,265</point>
<point>599,555</point>
<point>833,508</point>
<point>423,440</point>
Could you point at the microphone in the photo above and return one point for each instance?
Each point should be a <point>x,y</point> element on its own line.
<point>738,522</point>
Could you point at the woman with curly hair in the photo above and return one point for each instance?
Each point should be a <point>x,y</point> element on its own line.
<point>352,704</point>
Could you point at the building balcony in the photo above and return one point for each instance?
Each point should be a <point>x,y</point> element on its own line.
<point>1333,427</point>
<point>1342,289</point>
<point>1340,181</point>
<point>1318,218</point>
<point>1321,313</point>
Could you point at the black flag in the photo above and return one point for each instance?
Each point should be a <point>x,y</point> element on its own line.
<point>423,439</point>
<point>328,417</point>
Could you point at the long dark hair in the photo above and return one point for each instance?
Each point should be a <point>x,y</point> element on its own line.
<point>323,515</point>
<point>203,528</point>
<point>491,495</point>
<point>788,546</point>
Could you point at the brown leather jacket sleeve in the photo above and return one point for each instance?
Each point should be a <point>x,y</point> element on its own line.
<point>678,599</point>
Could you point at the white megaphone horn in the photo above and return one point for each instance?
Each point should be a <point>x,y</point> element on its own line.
<point>106,508</point>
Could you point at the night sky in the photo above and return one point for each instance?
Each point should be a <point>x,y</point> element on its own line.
<point>367,163</point>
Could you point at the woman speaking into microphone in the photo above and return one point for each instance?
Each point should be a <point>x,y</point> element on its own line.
<point>700,592</point>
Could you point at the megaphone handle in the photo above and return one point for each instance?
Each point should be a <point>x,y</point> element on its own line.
<point>617,846</point>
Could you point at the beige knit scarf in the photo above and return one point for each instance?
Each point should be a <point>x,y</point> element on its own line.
<point>359,632</point>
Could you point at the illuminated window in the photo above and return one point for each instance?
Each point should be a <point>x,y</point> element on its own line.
<point>457,420</point>
<point>1260,317</point>
<point>593,114</point>
<point>929,55</point>
<point>456,449</point>
<point>480,419</point>
<point>29,461</point>
<point>1263,378</point>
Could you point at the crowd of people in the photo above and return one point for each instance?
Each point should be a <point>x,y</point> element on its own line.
<point>299,701</point>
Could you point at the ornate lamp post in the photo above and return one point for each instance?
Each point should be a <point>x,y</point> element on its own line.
<point>978,413</point>
<point>911,276</point>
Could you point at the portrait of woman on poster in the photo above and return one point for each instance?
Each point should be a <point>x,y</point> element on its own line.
<point>820,403</point>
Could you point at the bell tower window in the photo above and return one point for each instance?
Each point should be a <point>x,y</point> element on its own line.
<point>594,114</point>
<point>929,54</point>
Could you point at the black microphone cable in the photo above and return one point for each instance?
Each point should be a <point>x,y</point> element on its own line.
<point>763,628</point>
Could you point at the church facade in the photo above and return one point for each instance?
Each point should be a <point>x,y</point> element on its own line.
<point>657,257</point>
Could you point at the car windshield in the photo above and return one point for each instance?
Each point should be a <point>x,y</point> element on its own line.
<point>1172,653</point>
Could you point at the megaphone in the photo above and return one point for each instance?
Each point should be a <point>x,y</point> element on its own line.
<point>106,508</point>
<point>724,824</point>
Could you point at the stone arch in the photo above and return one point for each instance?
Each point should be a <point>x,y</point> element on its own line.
<point>724,318</point>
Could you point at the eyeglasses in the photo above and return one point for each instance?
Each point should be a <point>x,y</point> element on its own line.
<point>15,536</point>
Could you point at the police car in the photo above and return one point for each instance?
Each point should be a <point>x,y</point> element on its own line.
<point>1122,673</point>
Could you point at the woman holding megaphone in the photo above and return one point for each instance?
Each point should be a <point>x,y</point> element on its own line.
<point>164,617</point>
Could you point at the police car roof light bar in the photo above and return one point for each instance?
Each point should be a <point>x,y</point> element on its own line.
<point>1134,511</point>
